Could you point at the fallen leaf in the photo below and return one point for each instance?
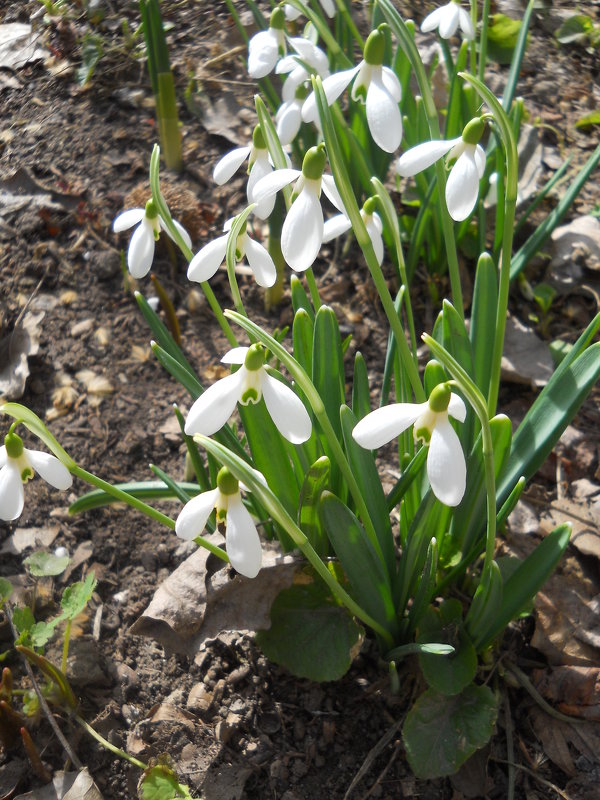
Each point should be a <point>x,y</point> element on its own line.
<point>15,349</point>
<point>584,516</point>
<point>66,786</point>
<point>21,190</point>
<point>221,118</point>
<point>225,781</point>
<point>580,239</point>
<point>19,45</point>
<point>24,538</point>
<point>572,690</point>
<point>526,357</point>
<point>558,737</point>
<point>200,600</point>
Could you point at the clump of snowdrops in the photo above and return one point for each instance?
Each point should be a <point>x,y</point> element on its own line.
<point>415,566</point>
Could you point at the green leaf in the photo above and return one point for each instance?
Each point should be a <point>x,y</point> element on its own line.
<point>92,51</point>
<point>76,597</point>
<point>483,320</point>
<point>526,581</point>
<point>144,490</point>
<point>451,675</point>
<point>441,733</point>
<point>6,589</point>
<point>575,29</point>
<point>366,572</point>
<point>41,633</point>
<point>503,35</point>
<point>414,649</point>
<point>162,334</point>
<point>328,365</point>
<point>309,521</point>
<point>42,564</point>
<point>361,396</point>
<point>187,379</point>
<point>299,297</point>
<point>160,783</point>
<point>23,619</point>
<point>302,335</point>
<point>589,120</point>
<point>485,604</point>
<point>310,634</point>
<point>37,427</point>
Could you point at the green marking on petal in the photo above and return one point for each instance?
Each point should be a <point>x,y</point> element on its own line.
<point>26,474</point>
<point>440,398</point>
<point>249,396</point>
<point>227,483</point>
<point>14,445</point>
<point>424,434</point>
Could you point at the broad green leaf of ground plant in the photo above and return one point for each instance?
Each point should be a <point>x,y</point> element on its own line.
<point>441,732</point>
<point>503,35</point>
<point>42,564</point>
<point>6,589</point>
<point>310,634</point>
<point>76,597</point>
<point>451,674</point>
<point>160,783</point>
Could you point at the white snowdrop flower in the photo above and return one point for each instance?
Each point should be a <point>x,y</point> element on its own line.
<point>140,253</point>
<point>205,263</point>
<point>447,19</point>
<point>289,118</point>
<point>339,224</point>
<point>446,467</point>
<point>259,165</point>
<point>267,47</point>
<point>302,231</point>
<point>328,7</point>
<point>311,56</point>
<point>243,542</point>
<point>376,86</point>
<point>17,466</point>
<point>251,382</point>
<point>462,187</point>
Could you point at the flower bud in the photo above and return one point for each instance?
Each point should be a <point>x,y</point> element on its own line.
<point>14,445</point>
<point>314,163</point>
<point>473,131</point>
<point>440,398</point>
<point>375,47</point>
<point>226,482</point>
<point>255,357</point>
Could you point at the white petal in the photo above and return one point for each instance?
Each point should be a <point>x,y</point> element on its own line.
<point>286,64</point>
<point>12,496</point>
<point>3,456</point>
<point>466,24</point>
<point>446,468</point>
<point>287,410</point>
<point>384,117</point>
<point>193,516</point>
<point>243,541</point>
<point>384,424</point>
<point>331,192</point>
<point>462,187</point>
<point>50,469</point>
<point>288,123</point>
<point>206,262</point>
<point>376,220</point>
<point>237,355</point>
<point>181,230</point>
<point>422,156</point>
<point>128,219</point>
<point>291,13</point>
<point>302,232</point>
<point>376,238</point>
<point>273,183</point>
<point>391,83</point>
<point>335,226</point>
<point>296,77</point>
<point>141,250</point>
<point>328,7</point>
<point>431,21</point>
<point>479,155</point>
<point>260,169</point>
<point>448,20</point>
<point>457,408</point>
<point>261,263</point>
<point>229,164</point>
<point>263,52</point>
<point>214,407</point>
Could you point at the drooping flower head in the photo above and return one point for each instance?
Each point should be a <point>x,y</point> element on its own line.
<point>446,467</point>
<point>17,466</point>
<point>302,231</point>
<point>462,187</point>
<point>328,7</point>
<point>266,47</point>
<point>374,85</point>
<point>243,542</point>
<point>140,253</point>
<point>246,386</point>
<point>448,19</point>
<point>206,262</point>
<point>339,224</point>
<point>258,166</point>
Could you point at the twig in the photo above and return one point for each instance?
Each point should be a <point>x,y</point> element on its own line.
<point>372,755</point>
<point>526,684</point>
<point>42,700</point>
<point>510,748</point>
<point>383,773</point>
<point>534,775</point>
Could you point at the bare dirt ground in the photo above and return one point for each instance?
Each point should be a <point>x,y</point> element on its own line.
<point>235,725</point>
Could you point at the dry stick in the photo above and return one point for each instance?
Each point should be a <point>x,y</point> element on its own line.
<point>42,700</point>
<point>372,755</point>
<point>534,775</point>
<point>383,773</point>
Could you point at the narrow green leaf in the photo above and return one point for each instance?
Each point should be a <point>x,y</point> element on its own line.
<point>173,485</point>
<point>483,320</point>
<point>161,333</point>
<point>361,395</point>
<point>144,490</point>
<point>426,587</point>
<point>517,59</point>
<point>299,297</point>
<point>366,572</point>
<point>187,379</point>
<point>485,604</point>
<point>52,672</point>
<point>309,520</point>
<point>328,365</point>
<point>303,339</point>
<point>408,476</point>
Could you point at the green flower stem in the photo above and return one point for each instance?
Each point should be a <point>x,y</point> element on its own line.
<point>314,398</point>
<point>164,212</point>
<point>343,9</point>
<point>408,45</point>
<point>510,201</point>
<point>483,40</point>
<point>105,743</point>
<point>270,502</point>
<point>342,181</point>
<point>65,652</point>
<point>274,294</point>
<point>473,44</point>
<point>139,505</point>
<point>479,405</point>
<point>238,227</point>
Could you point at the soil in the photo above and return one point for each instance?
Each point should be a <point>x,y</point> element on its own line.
<point>233,724</point>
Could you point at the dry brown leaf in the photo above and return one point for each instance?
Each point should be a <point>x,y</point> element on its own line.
<point>68,297</point>
<point>66,786</point>
<point>574,691</point>
<point>200,600</point>
<point>526,357</point>
<point>140,353</point>
<point>15,349</point>
<point>563,740</point>
<point>19,45</point>
<point>584,516</point>
<point>24,538</point>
